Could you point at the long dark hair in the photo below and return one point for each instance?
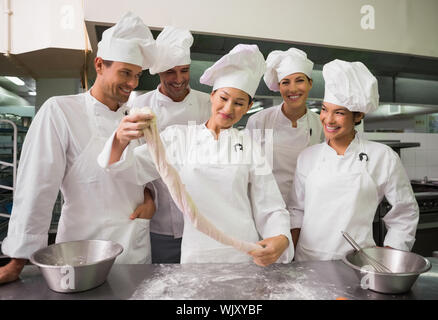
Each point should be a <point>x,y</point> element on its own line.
<point>354,115</point>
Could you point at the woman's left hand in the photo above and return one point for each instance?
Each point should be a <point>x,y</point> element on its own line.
<point>271,251</point>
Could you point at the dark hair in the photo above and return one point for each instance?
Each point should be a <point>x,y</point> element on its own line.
<point>107,63</point>
<point>307,77</point>
<point>249,97</point>
<point>355,113</point>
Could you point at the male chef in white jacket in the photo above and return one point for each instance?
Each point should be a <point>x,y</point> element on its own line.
<point>173,102</point>
<point>60,153</point>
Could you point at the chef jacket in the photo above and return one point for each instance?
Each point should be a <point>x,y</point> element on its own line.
<point>195,107</point>
<point>385,168</point>
<point>233,187</point>
<point>273,118</point>
<point>60,132</point>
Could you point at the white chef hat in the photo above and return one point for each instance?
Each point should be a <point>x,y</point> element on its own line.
<point>351,85</point>
<point>129,41</point>
<point>173,49</point>
<point>241,68</point>
<point>280,64</point>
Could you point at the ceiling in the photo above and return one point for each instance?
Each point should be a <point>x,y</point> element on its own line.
<point>62,63</point>
<point>17,95</point>
<point>211,47</point>
<point>45,63</point>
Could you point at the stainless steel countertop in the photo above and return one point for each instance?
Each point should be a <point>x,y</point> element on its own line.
<point>315,280</point>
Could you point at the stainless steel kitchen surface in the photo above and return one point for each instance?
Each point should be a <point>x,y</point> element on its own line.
<point>316,280</point>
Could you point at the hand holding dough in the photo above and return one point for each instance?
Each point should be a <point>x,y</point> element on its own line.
<point>177,190</point>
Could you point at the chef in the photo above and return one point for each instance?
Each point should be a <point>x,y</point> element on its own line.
<point>173,102</point>
<point>293,126</point>
<point>340,182</point>
<point>219,167</point>
<point>60,153</point>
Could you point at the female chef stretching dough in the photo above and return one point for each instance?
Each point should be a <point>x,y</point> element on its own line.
<point>219,167</point>
<point>339,183</point>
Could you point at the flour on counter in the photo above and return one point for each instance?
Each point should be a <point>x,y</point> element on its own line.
<point>240,281</point>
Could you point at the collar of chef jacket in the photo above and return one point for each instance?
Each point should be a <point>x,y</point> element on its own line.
<point>167,100</point>
<point>104,108</point>
<point>282,120</point>
<point>351,150</point>
<point>206,134</point>
<point>205,140</point>
<point>105,119</point>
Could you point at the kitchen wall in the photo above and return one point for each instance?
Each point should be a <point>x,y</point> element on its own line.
<point>418,161</point>
<point>47,88</point>
<point>401,26</point>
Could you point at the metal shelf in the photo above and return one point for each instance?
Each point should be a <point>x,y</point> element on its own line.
<point>8,169</point>
<point>8,165</point>
<point>12,164</point>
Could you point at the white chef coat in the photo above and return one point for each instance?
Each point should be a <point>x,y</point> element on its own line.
<point>60,153</point>
<point>195,107</point>
<point>239,196</point>
<point>388,178</point>
<point>287,142</point>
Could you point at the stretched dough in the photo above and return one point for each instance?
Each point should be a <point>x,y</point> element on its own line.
<point>178,192</point>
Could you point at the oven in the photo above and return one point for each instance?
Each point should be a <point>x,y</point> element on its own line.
<point>427,230</point>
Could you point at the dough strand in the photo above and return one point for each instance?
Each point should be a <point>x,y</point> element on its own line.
<point>178,192</point>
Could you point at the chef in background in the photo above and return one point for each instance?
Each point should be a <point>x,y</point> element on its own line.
<point>219,166</point>
<point>173,102</point>
<point>293,125</point>
<point>340,182</point>
<point>60,151</point>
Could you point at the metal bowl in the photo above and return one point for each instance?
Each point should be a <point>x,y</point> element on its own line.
<point>76,266</point>
<point>406,267</point>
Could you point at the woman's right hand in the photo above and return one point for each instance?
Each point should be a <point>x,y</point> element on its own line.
<point>272,249</point>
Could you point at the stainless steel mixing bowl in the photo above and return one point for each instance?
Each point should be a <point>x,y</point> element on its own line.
<point>76,265</point>
<point>405,266</point>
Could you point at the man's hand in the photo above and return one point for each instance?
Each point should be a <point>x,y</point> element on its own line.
<point>131,127</point>
<point>271,251</point>
<point>12,270</point>
<point>147,209</point>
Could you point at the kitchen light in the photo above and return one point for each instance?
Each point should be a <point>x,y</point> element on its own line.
<point>16,81</point>
<point>314,109</point>
<point>32,93</point>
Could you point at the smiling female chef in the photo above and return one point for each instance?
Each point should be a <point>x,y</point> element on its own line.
<point>218,166</point>
<point>339,183</point>
<point>293,126</point>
